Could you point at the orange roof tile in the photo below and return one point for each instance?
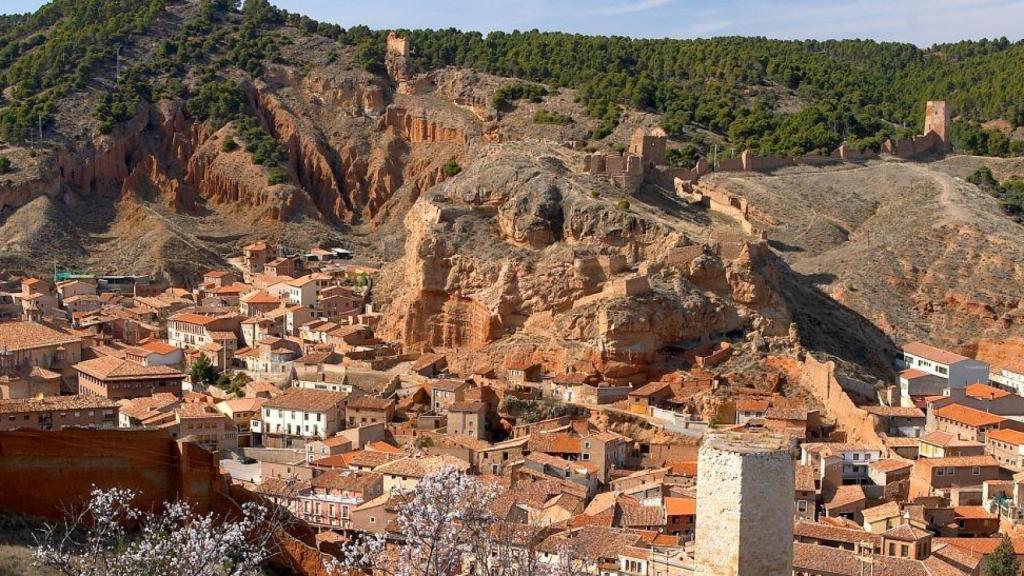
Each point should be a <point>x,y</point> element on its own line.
<point>932,353</point>
<point>968,416</point>
<point>679,506</point>
<point>1007,435</point>
<point>986,392</point>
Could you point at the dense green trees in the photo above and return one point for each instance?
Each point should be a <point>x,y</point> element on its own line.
<point>544,116</point>
<point>1010,192</point>
<point>1002,561</point>
<point>775,97</point>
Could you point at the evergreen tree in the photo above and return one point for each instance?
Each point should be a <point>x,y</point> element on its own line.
<point>1002,561</point>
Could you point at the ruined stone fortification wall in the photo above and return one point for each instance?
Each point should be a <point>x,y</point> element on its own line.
<point>819,378</point>
<point>739,494</point>
<point>44,472</point>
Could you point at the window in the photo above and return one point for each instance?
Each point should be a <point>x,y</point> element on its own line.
<point>940,472</point>
<point>950,471</point>
<point>802,505</point>
<point>905,550</point>
<point>976,471</point>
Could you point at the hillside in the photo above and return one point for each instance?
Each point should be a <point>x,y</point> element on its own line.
<point>459,170</point>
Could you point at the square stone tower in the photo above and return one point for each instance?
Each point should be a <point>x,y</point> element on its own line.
<point>936,119</point>
<point>744,505</point>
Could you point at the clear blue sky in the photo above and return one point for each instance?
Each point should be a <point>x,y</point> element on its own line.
<point>923,22</point>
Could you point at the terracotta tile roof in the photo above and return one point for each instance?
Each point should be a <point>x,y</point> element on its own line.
<point>243,404</point>
<point>56,403</point>
<point>467,406</point>
<point>814,559</point>
<point>845,496</point>
<point>1007,435</point>
<point>346,481</point>
<point>20,335</point>
<point>370,403</point>
<point>684,468</point>
<point>980,546</point>
<point>384,447</point>
<point>306,400</point>
<point>448,385</point>
<point>426,360</point>
<point>985,392</point>
<point>956,462</point>
<point>932,353</point>
<point>945,439</point>
<point>114,368</point>
<point>973,513</point>
<point>968,416</point>
<point>890,465</point>
<point>421,467</point>
<point>193,318</point>
<point>825,532</point>
<point>557,443</point>
<point>911,373</point>
<point>158,347</point>
<point>260,297</point>
<point>678,506</point>
<point>882,511</point>
<point>197,410</point>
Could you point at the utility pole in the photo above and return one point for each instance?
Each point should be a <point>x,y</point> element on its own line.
<point>117,66</point>
<point>40,126</point>
<point>714,158</point>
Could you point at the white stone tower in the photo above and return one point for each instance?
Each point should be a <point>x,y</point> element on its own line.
<point>744,505</point>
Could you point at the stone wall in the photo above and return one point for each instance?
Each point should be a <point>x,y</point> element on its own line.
<point>745,489</point>
<point>820,379</point>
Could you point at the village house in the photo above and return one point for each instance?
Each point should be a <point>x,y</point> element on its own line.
<point>681,516</point>
<point>155,353</point>
<point>258,302</point>
<point>907,421</point>
<point>805,497</point>
<point>318,449</point>
<point>750,408</point>
<point>191,330</point>
<point>404,474</point>
<point>838,464</point>
<point>443,393</point>
<point>1007,447</point>
<point>965,423</point>
<point>949,477</point>
<point>269,356</point>
<point>57,412</point>
<point>950,371</point>
<point>203,424</point>
<point>943,445</point>
<point>327,500</point>
<point>116,378</point>
<point>496,458</point>
<point>24,382</point>
<point>256,255</point>
<point>242,411</point>
<point>369,410</point>
<point>26,345</point>
<point>376,515</point>
<point>467,418</point>
<point>299,415</point>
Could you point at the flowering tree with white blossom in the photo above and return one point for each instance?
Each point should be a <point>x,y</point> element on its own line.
<point>111,537</point>
<point>445,527</point>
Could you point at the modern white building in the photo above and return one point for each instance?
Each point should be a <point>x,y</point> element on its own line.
<point>929,371</point>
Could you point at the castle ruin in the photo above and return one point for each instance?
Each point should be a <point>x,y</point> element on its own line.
<point>645,154</point>
<point>936,119</point>
<point>745,488</point>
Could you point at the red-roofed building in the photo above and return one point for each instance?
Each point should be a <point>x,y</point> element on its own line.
<point>964,422</point>
<point>1007,447</point>
<point>951,371</point>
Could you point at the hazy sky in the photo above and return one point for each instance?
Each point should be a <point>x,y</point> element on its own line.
<point>923,22</point>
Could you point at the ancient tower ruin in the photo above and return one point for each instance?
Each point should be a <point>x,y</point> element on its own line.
<point>936,119</point>
<point>744,505</point>
<point>396,59</point>
<point>649,145</point>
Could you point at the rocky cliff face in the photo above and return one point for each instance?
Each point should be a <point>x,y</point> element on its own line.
<point>515,256</point>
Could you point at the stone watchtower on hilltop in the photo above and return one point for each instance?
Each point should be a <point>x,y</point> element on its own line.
<point>649,145</point>
<point>936,119</point>
<point>744,505</point>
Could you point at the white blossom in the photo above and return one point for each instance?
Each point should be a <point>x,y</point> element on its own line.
<point>110,537</point>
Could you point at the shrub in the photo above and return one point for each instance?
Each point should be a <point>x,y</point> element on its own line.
<point>594,194</point>
<point>277,176</point>
<point>228,145</point>
<point>622,205</point>
<point>451,168</point>
<point>5,165</point>
<point>546,117</point>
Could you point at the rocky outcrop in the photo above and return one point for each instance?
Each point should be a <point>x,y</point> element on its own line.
<point>503,257</point>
